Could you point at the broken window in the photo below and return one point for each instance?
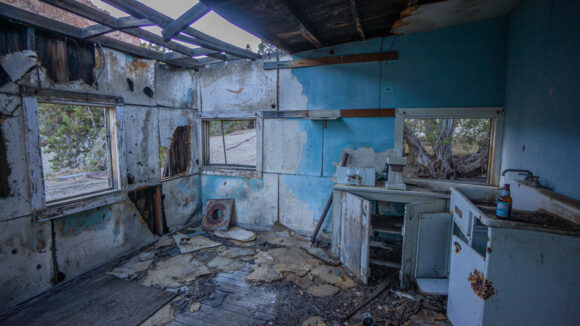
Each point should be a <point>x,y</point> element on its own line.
<point>76,150</point>
<point>230,143</point>
<point>447,148</point>
<point>175,160</point>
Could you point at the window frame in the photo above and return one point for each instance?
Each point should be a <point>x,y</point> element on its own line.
<point>43,210</point>
<point>230,169</point>
<point>495,114</point>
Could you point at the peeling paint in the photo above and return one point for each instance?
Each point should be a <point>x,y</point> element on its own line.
<point>92,220</point>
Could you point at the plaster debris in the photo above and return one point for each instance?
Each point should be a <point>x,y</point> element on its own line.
<point>176,271</point>
<point>314,321</point>
<point>237,233</point>
<point>16,64</point>
<point>195,307</point>
<point>234,252</point>
<point>323,290</point>
<point>264,273</point>
<point>225,265</point>
<point>132,267</point>
<point>294,260</point>
<point>187,244</point>
<point>165,241</point>
<point>304,282</point>
<point>286,239</point>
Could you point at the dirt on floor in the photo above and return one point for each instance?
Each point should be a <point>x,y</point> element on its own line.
<point>268,278</point>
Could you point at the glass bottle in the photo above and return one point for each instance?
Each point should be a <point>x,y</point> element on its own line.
<point>504,203</point>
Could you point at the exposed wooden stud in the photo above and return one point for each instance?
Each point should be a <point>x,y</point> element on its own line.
<point>335,60</point>
<point>139,10</point>
<point>188,18</point>
<point>288,11</point>
<point>356,18</point>
<point>53,94</point>
<point>42,22</point>
<point>364,113</point>
<point>121,23</point>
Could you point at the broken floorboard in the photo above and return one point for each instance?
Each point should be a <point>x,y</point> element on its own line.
<point>106,300</point>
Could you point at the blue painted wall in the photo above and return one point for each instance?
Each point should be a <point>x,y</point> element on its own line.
<point>456,66</point>
<point>542,102</point>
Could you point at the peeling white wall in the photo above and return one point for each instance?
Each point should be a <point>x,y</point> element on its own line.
<point>88,239</point>
<point>238,86</point>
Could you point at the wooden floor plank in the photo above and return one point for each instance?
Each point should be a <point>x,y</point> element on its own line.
<point>104,301</point>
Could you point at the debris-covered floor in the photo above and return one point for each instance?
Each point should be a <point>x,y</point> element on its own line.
<point>236,277</point>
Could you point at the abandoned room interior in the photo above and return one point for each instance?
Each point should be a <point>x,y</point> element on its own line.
<point>384,162</point>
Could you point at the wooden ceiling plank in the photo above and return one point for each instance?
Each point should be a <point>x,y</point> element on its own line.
<point>290,13</point>
<point>188,18</point>
<point>356,18</point>
<point>139,10</point>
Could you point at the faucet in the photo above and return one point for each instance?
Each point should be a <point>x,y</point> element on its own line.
<point>530,178</point>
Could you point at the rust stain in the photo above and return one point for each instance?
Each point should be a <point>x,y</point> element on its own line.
<point>458,211</point>
<point>489,250</point>
<point>457,247</point>
<point>481,287</point>
<point>235,92</point>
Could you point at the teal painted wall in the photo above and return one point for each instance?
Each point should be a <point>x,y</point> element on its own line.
<point>542,102</point>
<point>457,66</point>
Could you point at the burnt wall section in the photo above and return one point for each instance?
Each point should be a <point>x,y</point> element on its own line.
<point>32,253</point>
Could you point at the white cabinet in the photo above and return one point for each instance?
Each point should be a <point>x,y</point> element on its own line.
<point>359,235</point>
<point>504,272</point>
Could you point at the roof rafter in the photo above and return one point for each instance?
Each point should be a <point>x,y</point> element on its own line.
<point>139,10</point>
<point>102,18</point>
<point>121,23</point>
<point>42,22</point>
<point>356,18</point>
<point>188,18</point>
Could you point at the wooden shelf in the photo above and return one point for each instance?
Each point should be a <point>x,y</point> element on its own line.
<point>385,263</point>
<point>387,224</point>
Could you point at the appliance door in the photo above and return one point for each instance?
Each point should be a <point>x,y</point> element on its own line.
<point>464,307</point>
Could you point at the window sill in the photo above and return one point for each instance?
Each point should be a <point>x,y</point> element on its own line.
<point>79,204</point>
<point>231,171</point>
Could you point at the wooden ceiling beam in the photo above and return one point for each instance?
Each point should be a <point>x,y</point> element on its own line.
<point>183,21</point>
<point>289,12</point>
<point>139,10</point>
<point>356,19</point>
<point>121,23</point>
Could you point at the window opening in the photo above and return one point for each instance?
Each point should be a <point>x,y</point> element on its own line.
<point>75,148</point>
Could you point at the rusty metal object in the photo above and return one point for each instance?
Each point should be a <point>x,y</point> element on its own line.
<point>217,215</point>
<point>481,287</point>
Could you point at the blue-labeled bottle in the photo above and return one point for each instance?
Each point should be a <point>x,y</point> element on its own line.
<point>504,203</point>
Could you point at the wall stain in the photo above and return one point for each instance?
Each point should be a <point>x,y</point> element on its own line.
<point>235,92</point>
